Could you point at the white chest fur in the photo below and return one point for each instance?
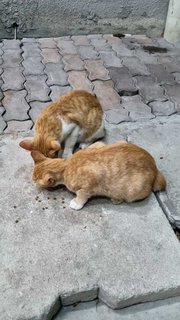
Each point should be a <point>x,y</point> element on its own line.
<point>67,128</point>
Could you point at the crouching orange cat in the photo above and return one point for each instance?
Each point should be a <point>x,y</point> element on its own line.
<point>121,171</point>
<point>76,117</point>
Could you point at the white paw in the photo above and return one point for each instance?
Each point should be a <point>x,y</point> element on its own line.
<point>84,145</point>
<point>74,205</point>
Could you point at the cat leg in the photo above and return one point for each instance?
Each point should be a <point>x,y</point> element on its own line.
<point>70,142</point>
<point>99,134</point>
<point>79,201</point>
<point>116,201</point>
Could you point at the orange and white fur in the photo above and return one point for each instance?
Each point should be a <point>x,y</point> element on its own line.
<point>77,117</point>
<point>120,171</point>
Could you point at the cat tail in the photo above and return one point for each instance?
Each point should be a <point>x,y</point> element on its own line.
<point>159,183</point>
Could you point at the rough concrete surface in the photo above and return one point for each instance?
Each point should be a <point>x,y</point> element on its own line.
<point>48,250</point>
<point>95,310</point>
<point>45,18</point>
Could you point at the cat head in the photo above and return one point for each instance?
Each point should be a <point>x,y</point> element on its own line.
<point>48,147</point>
<point>43,174</point>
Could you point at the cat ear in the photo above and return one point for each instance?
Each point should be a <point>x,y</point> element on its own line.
<point>55,145</point>
<point>37,156</point>
<point>27,144</point>
<point>49,179</point>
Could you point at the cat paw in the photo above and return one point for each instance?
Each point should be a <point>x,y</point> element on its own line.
<point>116,201</point>
<point>84,145</point>
<point>74,205</point>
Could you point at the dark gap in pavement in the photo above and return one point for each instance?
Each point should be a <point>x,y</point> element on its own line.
<point>119,35</point>
<point>177,233</point>
<point>128,93</point>
<point>154,49</point>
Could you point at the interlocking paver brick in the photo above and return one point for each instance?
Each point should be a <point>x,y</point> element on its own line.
<point>36,108</point>
<point>117,116</point>
<point>31,53</point>
<point>111,39</point>
<point>62,38</point>
<point>13,79</point>
<point>1,53</point>
<point>170,64</point>
<point>56,74</point>
<point>79,80</point>
<point>15,105</point>
<point>29,40</point>
<point>31,85</point>
<point>1,94</point>
<point>87,52</point>
<point>94,36</point>
<point>162,108</point>
<point>100,44</point>
<point>57,91</point>
<point>12,58</point>
<point>137,108</point>
<point>140,39</point>
<point>11,44</point>
<point>122,50</point>
<point>135,66</point>
<point>173,91</point>
<point>96,70</point>
<point>66,46</point>
<point>146,57</point>
<point>161,75</point>
<point>47,43</point>
<point>80,40</point>
<point>72,62</point>
<point>123,81</point>
<point>149,89</point>
<point>50,55</point>
<point>106,94</point>
<point>31,46</point>
<point>18,126</point>
<point>2,110</point>
<point>2,124</point>
<point>33,66</point>
<point>130,44</point>
<point>110,59</point>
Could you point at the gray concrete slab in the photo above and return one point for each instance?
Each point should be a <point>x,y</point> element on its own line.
<point>124,254</point>
<point>95,310</point>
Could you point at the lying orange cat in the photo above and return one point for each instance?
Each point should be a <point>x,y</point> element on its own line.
<point>75,117</point>
<point>121,171</point>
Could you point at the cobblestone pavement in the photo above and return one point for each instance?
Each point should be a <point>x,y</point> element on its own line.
<point>134,77</point>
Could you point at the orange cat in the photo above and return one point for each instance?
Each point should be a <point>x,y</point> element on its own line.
<point>121,171</point>
<point>75,117</point>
